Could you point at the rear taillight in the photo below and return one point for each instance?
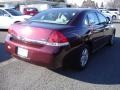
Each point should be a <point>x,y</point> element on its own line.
<point>11,31</point>
<point>58,39</point>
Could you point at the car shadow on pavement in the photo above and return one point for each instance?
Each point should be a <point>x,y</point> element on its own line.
<point>3,54</point>
<point>103,68</point>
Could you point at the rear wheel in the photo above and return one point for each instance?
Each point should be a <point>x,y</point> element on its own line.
<point>108,18</point>
<point>82,58</point>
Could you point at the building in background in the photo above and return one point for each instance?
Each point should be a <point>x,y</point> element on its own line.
<point>39,4</point>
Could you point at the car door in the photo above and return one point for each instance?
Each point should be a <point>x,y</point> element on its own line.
<point>5,20</point>
<point>107,30</point>
<point>96,30</point>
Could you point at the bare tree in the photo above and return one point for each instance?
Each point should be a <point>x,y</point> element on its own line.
<point>113,4</point>
<point>57,0</point>
<point>88,3</point>
<point>96,5</point>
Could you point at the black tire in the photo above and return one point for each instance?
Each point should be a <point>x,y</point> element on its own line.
<point>82,58</point>
<point>114,17</point>
<point>112,40</point>
<point>108,18</point>
<point>16,21</point>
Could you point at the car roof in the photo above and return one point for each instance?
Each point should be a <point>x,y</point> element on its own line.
<point>30,7</point>
<point>74,9</point>
<point>102,9</point>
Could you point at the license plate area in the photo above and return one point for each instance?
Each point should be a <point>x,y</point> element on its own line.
<point>22,52</point>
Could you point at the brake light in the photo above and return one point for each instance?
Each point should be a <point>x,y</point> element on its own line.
<point>57,37</point>
<point>11,31</point>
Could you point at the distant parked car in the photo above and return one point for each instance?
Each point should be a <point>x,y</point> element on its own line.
<point>30,11</point>
<point>115,13</point>
<point>60,37</point>
<point>10,16</point>
<point>107,14</point>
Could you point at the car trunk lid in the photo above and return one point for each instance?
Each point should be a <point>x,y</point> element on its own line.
<point>38,35</point>
<point>29,33</point>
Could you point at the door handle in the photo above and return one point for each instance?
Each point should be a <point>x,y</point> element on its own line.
<point>94,31</point>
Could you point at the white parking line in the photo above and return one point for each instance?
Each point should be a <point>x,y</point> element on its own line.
<point>7,62</point>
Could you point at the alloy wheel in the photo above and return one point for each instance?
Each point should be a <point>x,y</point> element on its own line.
<point>84,57</point>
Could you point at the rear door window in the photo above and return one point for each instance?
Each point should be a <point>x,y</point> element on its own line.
<point>93,19</point>
<point>86,23</point>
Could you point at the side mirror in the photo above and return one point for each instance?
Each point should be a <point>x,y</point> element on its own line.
<point>108,21</point>
<point>91,22</point>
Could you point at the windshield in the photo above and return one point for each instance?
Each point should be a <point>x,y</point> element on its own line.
<point>14,12</point>
<point>31,9</point>
<point>56,16</point>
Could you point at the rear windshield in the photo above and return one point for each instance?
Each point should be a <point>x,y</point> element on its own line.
<point>14,12</point>
<point>56,16</point>
<point>31,9</point>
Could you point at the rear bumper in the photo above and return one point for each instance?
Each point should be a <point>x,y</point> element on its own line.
<point>4,27</point>
<point>47,56</point>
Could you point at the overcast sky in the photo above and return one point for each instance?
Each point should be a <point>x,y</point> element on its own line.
<point>79,2</point>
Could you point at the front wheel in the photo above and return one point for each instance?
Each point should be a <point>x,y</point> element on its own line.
<point>112,40</point>
<point>108,19</point>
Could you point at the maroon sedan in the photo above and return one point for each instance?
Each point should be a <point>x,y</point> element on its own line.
<point>30,11</point>
<point>60,37</point>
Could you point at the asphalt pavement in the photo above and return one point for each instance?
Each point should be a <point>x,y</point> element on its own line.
<point>102,72</point>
